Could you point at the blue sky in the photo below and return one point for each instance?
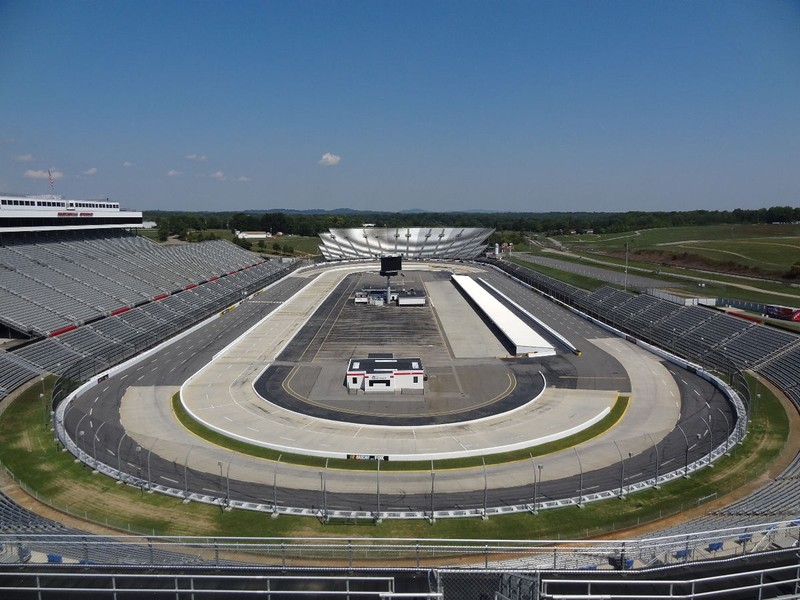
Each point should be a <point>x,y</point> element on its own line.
<point>511,106</point>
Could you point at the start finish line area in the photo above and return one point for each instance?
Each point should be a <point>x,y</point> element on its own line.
<point>281,384</point>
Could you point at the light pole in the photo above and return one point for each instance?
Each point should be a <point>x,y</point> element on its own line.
<point>629,458</point>
<point>119,456</point>
<point>533,468</point>
<point>485,488</point>
<point>727,429</point>
<point>535,496</point>
<point>44,410</point>
<point>221,488</point>
<point>433,479</point>
<point>710,440</point>
<point>580,484</point>
<point>655,448</point>
<point>686,461</point>
<point>275,488</point>
<point>621,472</point>
<point>139,460</point>
<point>228,484</point>
<point>94,446</point>
<point>80,437</point>
<point>378,490</point>
<point>149,476</point>
<point>186,475</point>
<point>625,287</point>
<point>77,445</point>
<point>324,493</point>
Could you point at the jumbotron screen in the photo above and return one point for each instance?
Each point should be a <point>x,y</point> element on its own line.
<point>390,265</point>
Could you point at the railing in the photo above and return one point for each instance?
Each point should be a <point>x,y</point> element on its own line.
<point>74,547</point>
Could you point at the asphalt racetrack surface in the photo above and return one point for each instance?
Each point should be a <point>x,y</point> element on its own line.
<point>126,421</point>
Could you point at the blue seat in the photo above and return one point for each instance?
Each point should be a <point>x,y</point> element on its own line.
<point>745,537</point>
<point>683,553</point>
<point>715,546</point>
<point>52,557</point>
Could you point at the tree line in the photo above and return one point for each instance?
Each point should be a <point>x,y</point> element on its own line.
<point>179,223</point>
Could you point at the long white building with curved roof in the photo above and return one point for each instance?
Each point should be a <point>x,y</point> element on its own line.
<point>408,242</point>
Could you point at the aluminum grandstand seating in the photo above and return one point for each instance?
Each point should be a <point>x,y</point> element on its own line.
<point>25,314</point>
<point>14,518</point>
<point>14,372</point>
<point>116,329</point>
<point>648,319</point>
<point>106,341</point>
<point>50,355</point>
<point>758,344</point>
<point>636,305</point>
<point>43,254</point>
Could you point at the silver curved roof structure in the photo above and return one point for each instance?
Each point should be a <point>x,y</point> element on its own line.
<point>409,242</point>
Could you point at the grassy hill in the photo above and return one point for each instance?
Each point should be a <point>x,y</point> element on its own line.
<point>760,250</point>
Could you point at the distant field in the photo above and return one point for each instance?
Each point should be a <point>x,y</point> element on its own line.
<point>301,244</point>
<point>771,249</point>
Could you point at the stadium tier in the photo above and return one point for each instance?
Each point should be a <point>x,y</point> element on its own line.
<point>72,278</point>
<point>99,297</point>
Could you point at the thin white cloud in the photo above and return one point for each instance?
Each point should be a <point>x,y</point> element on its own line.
<point>24,157</point>
<point>330,160</point>
<point>218,175</point>
<point>243,178</point>
<point>43,174</point>
<point>173,173</point>
<point>7,140</point>
<point>127,164</point>
<point>196,157</point>
<point>90,171</point>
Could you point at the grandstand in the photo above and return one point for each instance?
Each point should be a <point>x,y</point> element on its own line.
<point>99,297</point>
<point>98,293</point>
<point>408,242</point>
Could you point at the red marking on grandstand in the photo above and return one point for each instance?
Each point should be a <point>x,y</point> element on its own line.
<point>119,311</point>
<point>190,286</point>
<point>231,272</point>
<point>213,279</point>
<point>161,297</point>
<point>63,330</point>
<point>746,317</point>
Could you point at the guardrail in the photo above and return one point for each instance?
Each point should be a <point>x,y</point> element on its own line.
<point>437,507</point>
<point>75,547</point>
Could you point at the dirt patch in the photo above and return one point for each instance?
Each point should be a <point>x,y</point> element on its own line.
<point>688,260</point>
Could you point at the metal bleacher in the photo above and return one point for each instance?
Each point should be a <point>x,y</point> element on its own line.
<point>133,295</point>
<point>697,333</point>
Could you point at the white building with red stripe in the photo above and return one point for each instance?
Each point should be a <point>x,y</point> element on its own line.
<point>383,373</point>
